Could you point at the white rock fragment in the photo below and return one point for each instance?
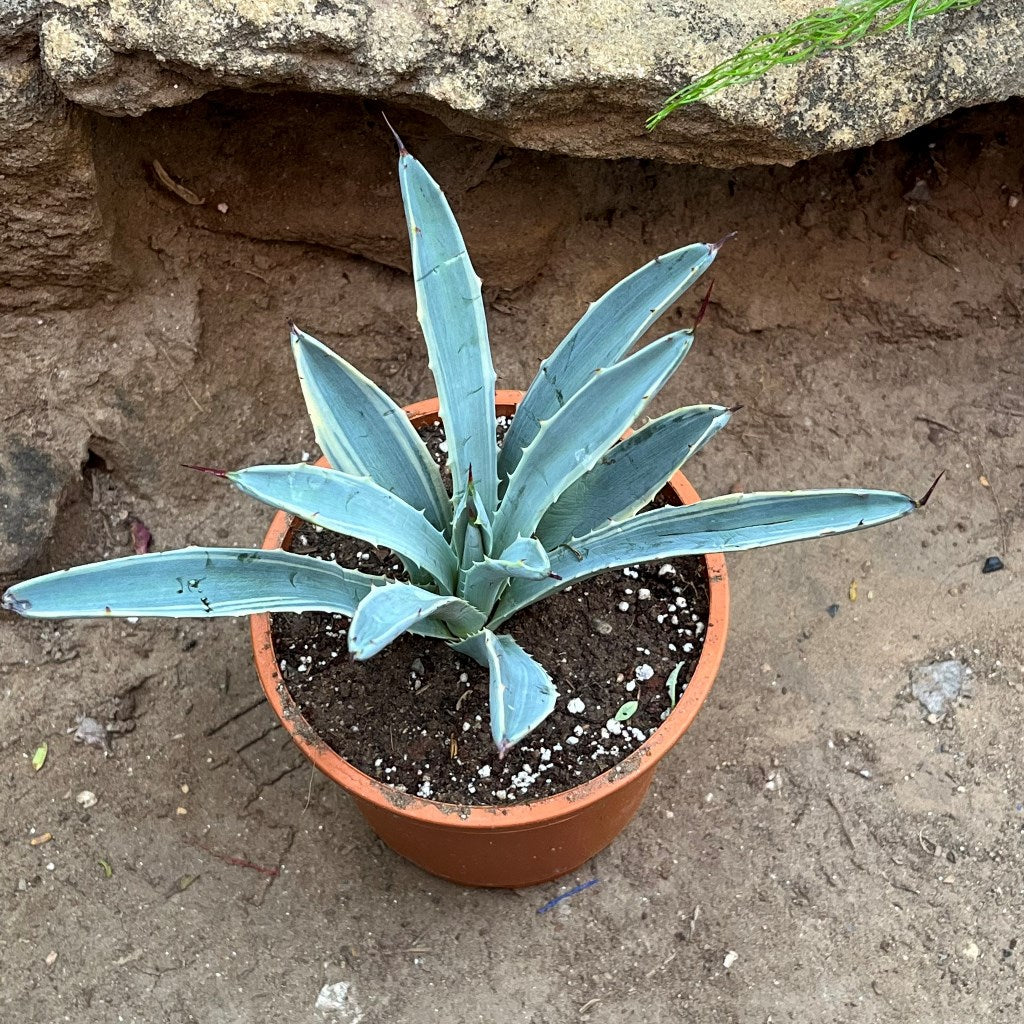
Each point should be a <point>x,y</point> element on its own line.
<point>643,594</point>
<point>939,685</point>
<point>623,606</point>
<point>731,957</point>
<point>484,771</point>
<point>86,799</point>
<point>337,999</point>
<point>667,570</point>
<point>576,706</point>
<point>643,672</point>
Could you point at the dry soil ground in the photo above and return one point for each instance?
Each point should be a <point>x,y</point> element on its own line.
<point>862,863</point>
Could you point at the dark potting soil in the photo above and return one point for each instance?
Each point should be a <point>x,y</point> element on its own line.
<point>416,715</point>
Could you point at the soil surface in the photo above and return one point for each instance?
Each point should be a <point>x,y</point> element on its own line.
<point>416,715</point>
<point>817,848</point>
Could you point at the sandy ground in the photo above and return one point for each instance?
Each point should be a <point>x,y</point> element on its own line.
<point>850,860</point>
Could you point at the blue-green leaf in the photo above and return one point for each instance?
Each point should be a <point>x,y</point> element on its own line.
<point>389,611</point>
<point>193,582</point>
<point>364,433</point>
<point>471,528</point>
<point>631,473</point>
<point>579,434</point>
<point>481,584</point>
<point>733,522</point>
<point>609,329</point>
<point>355,506</point>
<point>522,694</point>
<point>451,313</point>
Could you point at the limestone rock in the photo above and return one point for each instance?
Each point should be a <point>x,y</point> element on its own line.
<point>572,78</point>
<point>938,686</point>
<point>52,235</point>
<point>33,487</point>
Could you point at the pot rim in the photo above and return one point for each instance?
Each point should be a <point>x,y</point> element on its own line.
<point>534,813</point>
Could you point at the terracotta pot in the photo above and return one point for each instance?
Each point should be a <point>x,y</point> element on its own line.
<point>522,844</point>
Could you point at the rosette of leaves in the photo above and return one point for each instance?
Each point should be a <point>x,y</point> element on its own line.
<point>560,501</point>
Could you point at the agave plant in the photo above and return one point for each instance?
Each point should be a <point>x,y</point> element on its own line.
<point>560,501</point>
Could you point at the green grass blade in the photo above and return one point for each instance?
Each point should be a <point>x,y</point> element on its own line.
<point>829,28</point>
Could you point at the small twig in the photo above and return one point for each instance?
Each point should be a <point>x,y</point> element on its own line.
<point>842,823</point>
<point>309,792</point>
<point>937,423</point>
<point>178,189</point>
<point>654,970</point>
<point>238,862</point>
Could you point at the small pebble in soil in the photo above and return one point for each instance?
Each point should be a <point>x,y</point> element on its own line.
<point>992,564</point>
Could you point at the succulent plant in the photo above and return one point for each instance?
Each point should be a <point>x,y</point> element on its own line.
<point>560,500</point>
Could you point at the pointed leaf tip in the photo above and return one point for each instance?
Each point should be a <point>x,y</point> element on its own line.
<point>928,493</point>
<point>222,473</point>
<point>716,246</point>
<point>402,151</point>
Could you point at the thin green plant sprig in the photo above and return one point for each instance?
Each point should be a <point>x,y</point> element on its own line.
<point>830,28</point>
